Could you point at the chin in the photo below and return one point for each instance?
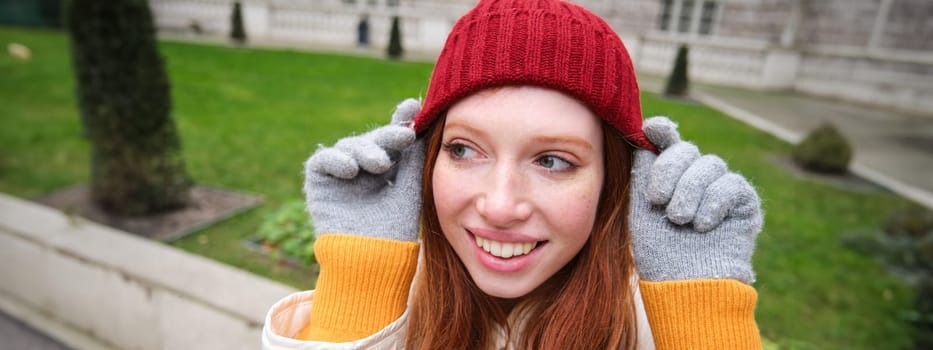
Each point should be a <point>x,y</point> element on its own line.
<point>504,289</point>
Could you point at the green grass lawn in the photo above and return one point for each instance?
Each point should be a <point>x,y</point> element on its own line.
<point>249,118</point>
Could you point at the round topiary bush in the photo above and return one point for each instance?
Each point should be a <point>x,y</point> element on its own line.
<point>824,150</point>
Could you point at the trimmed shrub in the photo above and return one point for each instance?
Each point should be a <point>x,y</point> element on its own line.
<point>125,105</point>
<point>237,32</point>
<point>678,83</point>
<point>395,51</point>
<point>288,231</point>
<point>824,150</point>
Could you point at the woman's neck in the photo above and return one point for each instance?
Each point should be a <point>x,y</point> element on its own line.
<point>507,304</point>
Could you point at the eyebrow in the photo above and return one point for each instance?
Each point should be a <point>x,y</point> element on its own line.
<point>572,140</point>
<point>564,139</point>
<point>460,125</point>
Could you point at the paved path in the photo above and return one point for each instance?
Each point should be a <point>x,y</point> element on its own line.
<point>15,335</point>
<point>892,149</point>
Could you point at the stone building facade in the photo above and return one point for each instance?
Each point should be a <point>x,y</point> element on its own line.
<point>877,52</point>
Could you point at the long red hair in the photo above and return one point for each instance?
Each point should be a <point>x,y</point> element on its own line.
<point>589,304</point>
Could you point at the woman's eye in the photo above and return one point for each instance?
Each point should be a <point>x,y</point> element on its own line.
<point>459,150</point>
<point>554,163</point>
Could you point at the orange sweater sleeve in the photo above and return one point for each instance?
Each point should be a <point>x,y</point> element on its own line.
<point>362,288</point>
<point>701,314</point>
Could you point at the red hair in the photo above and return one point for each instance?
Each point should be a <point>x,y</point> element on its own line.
<point>588,304</point>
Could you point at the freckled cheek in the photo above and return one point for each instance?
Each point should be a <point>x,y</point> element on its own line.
<point>576,216</point>
<point>450,192</point>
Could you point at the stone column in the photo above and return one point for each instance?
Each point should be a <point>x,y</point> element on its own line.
<point>881,19</point>
<point>789,35</point>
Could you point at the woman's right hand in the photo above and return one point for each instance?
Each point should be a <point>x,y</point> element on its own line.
<point>370,184</point>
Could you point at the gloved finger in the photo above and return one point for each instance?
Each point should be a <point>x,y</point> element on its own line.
<point>668,169</point>
<point>730,195</point>
<point>367,154</point>
<point>405,112</point>
<point>661,131</point>
<point>692,187</point>
<point>641,169</point>
<point>411,164</point>
<point>407,183</point>
<point>392,137</point>
<point>331,162</point>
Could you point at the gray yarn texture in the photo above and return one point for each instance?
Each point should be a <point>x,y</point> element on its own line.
<point>690,217</point>
<point>369,184</point>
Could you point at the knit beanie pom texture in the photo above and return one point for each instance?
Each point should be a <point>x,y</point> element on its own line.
<point>548,43</point>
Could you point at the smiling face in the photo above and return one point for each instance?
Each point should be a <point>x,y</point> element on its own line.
<point>516,185</point>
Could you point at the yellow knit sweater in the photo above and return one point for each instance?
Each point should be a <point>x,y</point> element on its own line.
<point>364,286</point>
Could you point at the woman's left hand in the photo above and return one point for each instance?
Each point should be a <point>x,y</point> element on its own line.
<point>690,217</point>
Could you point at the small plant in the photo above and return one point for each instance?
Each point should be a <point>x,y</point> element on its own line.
<point>824,150</point>
<point>395,51</point>
<point>912,222</point>
<point>905,245</point>
<point>288,231</point>
<point>678,82</point>
<point>237,32</point>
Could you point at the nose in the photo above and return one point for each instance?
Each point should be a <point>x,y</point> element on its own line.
<point>504,201</point>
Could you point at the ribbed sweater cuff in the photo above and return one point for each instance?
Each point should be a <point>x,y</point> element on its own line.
<point>363,286</point>
<point>702,314</point>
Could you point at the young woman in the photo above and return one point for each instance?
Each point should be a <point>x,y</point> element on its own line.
<point>546,219</point>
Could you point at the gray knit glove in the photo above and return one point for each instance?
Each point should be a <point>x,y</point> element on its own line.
<point>690,217</point>
<point>369,184</point>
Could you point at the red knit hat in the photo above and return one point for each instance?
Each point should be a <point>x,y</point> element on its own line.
<point>548,43</point>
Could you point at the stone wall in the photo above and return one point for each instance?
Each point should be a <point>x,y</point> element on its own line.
<point>838,23</point>
<point>424,24</point>
<point>900,82</point>
<point>909,26</point>
<point>761,21</point>
<point>867,51</point>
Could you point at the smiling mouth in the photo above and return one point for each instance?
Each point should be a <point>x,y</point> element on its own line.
<point>504,250</point>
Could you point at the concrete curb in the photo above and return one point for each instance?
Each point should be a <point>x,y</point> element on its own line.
<point>93,287</point>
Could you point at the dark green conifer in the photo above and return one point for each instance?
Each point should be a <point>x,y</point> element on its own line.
<point>125,105</point>
<point>395,50</point>
<point>678,82</point>
<point>237,32</point>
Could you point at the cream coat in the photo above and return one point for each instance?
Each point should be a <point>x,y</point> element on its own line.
<point>288,316</point>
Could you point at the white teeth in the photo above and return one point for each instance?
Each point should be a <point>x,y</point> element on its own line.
<point>504,249</point>
<point>508,248</point>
